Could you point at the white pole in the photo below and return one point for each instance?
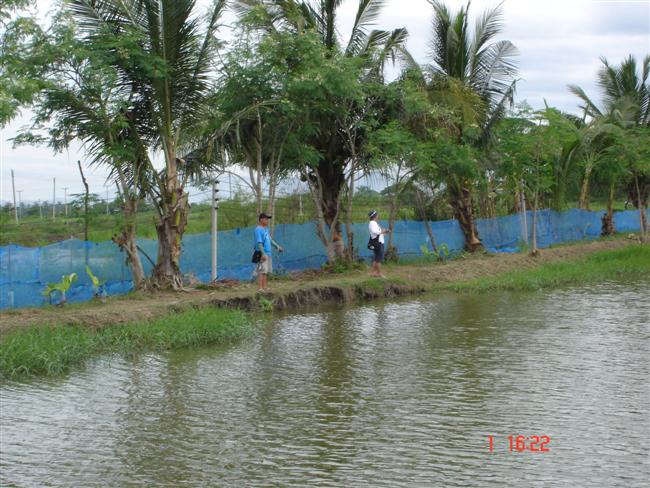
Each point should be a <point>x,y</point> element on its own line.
<point>65,200</point>
<point>106,199</point>
<point>13,188</point>
<point>20,204</point>
<point>215,207</point>
<point>53,199</point>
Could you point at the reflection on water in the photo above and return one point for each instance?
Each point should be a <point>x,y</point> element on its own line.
<point>389,394</point>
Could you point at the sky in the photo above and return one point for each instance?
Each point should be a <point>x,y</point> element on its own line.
<point>559,43</point>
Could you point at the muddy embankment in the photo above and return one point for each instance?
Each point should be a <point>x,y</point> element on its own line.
<point>299,291</point>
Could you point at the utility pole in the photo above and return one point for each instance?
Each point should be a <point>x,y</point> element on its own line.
<point>20,204</point>
<point>40,209</point>
<point>106,186</point>
<point>215,207</point>
<point>65,200</point>
<point>53,199</point>
<point>13,188</point>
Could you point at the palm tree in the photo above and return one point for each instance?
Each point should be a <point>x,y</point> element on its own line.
<point>473,76</point>
<point>338,141</point>
<point>625,94</point>
<point>625,103</point>
<point>164,51</point>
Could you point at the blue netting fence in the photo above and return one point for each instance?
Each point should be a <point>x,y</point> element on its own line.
<point>25,271</point>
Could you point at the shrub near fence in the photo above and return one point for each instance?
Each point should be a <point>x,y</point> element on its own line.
<point>24,271</point>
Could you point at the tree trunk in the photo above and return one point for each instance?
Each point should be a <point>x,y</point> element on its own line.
<point>86,197</point>
<point>127,243</point>
<point>584,191</point>
<point>315,189</point>
<point>643,224</point>
<point>533,240</point>
<point>608,219</point>
<point>420,204</point>
<point>348,215</point>
<point>170,229</point>
<point>330,180</point>
<point>460,198</point>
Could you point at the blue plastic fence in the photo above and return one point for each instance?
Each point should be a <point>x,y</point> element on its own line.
<point>25,271</point>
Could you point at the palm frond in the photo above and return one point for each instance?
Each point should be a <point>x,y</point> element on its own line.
<point>497,113</point>
<point>367,14</point>
<point>589,106</point>
<point>496,67</point>
<point>394,49</point>
<point>488,25</point>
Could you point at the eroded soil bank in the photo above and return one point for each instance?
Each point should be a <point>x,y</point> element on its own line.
<point>295,292</point>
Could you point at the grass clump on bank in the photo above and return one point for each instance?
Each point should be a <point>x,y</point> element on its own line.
<point>54,350</point>
<point>631,262</point>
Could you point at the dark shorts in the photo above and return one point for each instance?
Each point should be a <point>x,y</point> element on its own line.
<point>379,254</point>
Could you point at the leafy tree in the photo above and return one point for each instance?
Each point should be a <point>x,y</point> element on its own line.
<point>340,108</point>
<point>530,144</point>
<point>474,78</point>
<point>20,81</point>
<point>163,51</point>
<point>625,103</point>
<point>84,102</point>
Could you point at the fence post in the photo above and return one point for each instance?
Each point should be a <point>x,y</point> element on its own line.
<point>215,207</point>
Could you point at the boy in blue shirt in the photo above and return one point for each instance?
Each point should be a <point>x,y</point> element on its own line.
<point>263,243</point>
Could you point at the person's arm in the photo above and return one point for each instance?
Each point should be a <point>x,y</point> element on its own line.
<point>259,245</point>
<point>277,246</point>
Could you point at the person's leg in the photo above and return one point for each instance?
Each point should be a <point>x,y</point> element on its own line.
<point>375,267</point>
<point>380,259</point>
<point>261,277</point>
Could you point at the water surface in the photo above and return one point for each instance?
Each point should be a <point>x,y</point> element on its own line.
<point>388,394</point>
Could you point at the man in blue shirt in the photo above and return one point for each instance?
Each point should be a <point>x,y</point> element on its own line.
<point>263,243</point>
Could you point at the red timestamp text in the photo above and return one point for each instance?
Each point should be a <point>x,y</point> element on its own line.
<point>520,443</point>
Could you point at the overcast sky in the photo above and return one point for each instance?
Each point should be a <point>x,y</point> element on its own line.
<point>559,43</point>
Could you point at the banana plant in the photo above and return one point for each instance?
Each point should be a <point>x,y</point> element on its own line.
<point>62,287</point>
<point>98,285</point>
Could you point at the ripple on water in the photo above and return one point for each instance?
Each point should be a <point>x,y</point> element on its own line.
<point>390,394</point>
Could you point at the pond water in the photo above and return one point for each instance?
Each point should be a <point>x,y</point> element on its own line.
<point>390,394</point>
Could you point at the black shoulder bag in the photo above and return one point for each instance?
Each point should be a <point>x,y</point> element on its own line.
<point>373,242</point>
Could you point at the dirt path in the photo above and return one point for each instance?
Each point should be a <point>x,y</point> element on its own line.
<point>297,291</point>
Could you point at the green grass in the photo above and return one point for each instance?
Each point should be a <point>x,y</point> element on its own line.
<point>631,262</point>
<point>37,351</point>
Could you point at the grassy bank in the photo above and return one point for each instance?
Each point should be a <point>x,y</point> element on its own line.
<point>33,341</point>
<point>54,350</point>
<point>631,262</point>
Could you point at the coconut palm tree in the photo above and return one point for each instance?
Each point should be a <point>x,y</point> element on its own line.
<point>625,103</point>
<point>474,76</point>
<point>337,141</point>
<point>162,49</point>
<point>625,93</point>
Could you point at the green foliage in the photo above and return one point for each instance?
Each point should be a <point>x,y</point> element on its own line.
<point>97,283</point>
<point>55,350</point>
<point>264,303</point>
<point>441,253</point>
<point>340,266</point>
<point>62,287</point>
<point>632,262</point>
